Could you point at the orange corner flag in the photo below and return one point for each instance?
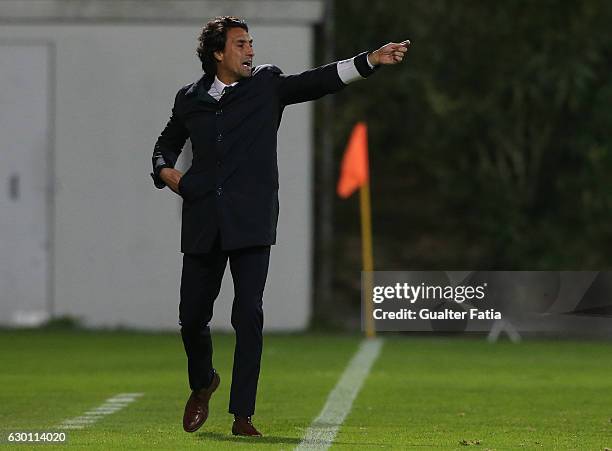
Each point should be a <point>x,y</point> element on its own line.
<point>354,170</point>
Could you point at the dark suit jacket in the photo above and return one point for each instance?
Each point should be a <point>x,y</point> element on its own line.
<point>232,184</point>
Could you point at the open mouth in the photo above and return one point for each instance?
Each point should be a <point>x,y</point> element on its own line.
<point>247,64</point>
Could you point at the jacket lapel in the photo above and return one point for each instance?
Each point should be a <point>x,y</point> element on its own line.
<point>200,89</point>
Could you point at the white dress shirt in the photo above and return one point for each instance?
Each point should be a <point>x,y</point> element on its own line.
<point>217,88</point>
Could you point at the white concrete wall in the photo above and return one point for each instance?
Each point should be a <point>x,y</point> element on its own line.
<point>115,258</point>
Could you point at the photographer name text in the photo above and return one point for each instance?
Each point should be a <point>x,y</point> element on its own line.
<point>404,292</point>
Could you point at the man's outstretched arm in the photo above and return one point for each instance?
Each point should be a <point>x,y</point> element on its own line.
<point>315,83</point>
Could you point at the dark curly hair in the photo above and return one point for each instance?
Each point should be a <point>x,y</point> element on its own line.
<point>212,39</point>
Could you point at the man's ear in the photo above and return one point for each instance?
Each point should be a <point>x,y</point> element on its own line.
<point>218,55</point>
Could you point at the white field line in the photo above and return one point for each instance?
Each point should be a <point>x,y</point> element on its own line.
<point>322,431</point>
<point>111,405</point>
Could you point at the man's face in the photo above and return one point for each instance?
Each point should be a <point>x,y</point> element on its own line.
<point>236,60</point>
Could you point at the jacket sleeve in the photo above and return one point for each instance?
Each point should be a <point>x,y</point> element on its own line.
<point>169,145</point>
<point>315,83</point>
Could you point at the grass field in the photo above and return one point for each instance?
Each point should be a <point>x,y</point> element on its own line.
<point>422,393</point>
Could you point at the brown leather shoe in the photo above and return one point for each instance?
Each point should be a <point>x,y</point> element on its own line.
<point>243,426</point>
<point>196,409</point>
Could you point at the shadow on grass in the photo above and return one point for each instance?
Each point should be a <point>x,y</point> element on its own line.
<point>216,436</point>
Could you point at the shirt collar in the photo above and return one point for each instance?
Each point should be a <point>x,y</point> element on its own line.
<point>220,86</point>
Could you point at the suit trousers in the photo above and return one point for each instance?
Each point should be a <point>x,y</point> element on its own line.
<point>200,286</point>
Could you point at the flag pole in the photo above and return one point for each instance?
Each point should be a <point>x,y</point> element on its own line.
<point>367,257</point>
<point>355,173</point>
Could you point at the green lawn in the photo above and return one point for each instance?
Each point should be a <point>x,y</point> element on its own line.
<point>421,394</point>
<point>429,393</point>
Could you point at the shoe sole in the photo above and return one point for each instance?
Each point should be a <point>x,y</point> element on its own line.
<point>215,383</point>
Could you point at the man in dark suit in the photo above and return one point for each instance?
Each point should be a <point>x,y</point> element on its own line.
<point>230,195</point>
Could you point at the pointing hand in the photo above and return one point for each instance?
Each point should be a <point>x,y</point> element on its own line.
<point>391,53</point>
